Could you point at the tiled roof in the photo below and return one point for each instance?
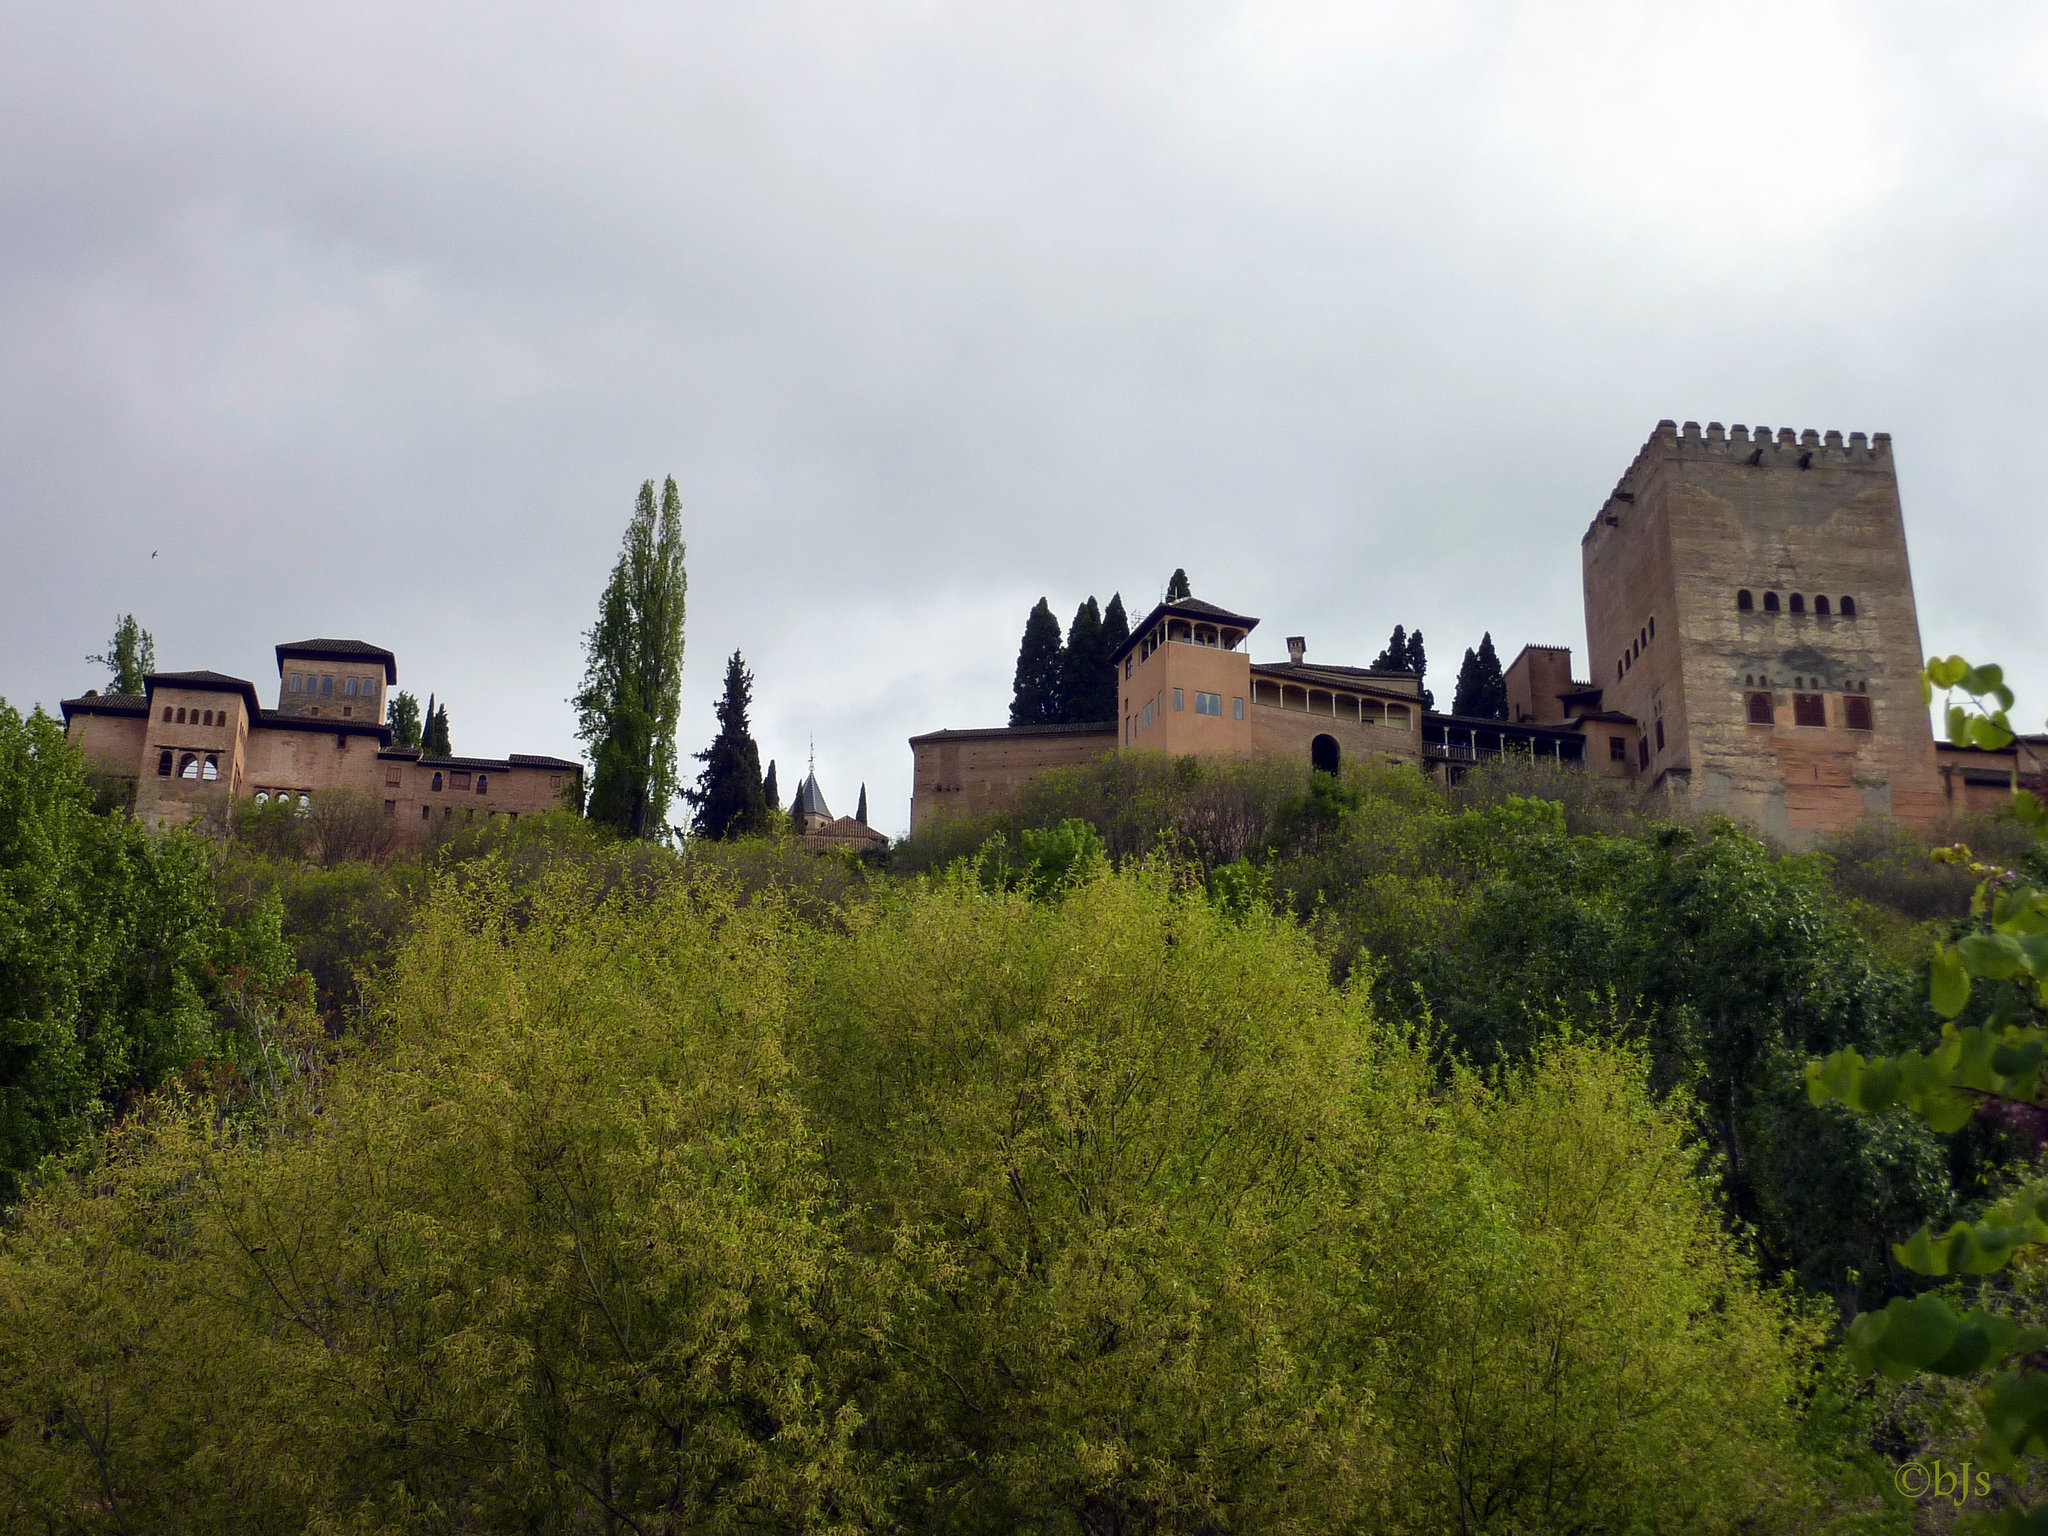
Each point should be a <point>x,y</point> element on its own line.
<point>527,760</point>
<point>972,733</point>
<point>106,704</point>
<point>207,682</point>
<point>340,650</point>
<point>1187,608</point>
<point>1309,669</point>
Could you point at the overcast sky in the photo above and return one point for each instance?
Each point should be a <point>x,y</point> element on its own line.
<point>369,320</point>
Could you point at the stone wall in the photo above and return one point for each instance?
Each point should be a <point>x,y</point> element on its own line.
<point>975,772</point>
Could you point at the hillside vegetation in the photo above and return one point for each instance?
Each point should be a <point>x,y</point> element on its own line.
<point>1198,1148</point>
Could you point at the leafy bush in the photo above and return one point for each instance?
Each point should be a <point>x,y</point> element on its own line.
<point>967,1212</point>
<point>116,969</point>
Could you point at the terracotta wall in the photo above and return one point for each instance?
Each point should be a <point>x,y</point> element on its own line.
<point>1183,732</point>
<point>973,773</point>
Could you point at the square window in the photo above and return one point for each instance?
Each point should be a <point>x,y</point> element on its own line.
<point>349,686</point>
<point>1617,749</point>
<point>392,777</point>
<point>298,682</point>
<point>390,807</point>
<point>458,781</point>
<point>1857,713</point>
<point>1809,709</point>
<point>327,685</point>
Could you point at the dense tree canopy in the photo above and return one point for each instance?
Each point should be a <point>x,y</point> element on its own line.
<point>116,967</point>
<point>730,799</point>
<point>1035,693</point>
<point>631,696</point>
<point>130,656</point>
<point>402,714</point>
<point>1482,691</point>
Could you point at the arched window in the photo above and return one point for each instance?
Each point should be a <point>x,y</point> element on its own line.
<point>1820,607</point>
<point>163,761</point>
<point>1848,607</point>
<point>167,714</point>
<point>181,717</point>
<point>263,797</point>
<point>1323,755</point>
<point>483,783</point>
<point>1743,601</point>
<point>188,766</point>
<point>305,802</point>
<point>1798,603</point>
<point>1770,602</point>
<point>1760,710</point>
<point>210,769</point>
<point>437,781</point>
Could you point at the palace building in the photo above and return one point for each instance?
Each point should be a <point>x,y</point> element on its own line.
<point>192,740</point>
<point>1753,640</point>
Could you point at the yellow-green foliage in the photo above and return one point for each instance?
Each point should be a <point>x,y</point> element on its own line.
<point>968,1212</point>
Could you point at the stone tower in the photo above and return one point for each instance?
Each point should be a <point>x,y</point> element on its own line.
<point>1748,601</point>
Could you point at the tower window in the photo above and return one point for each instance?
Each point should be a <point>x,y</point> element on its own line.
<point>1179,699</point>
<point>1848,607</point>
<point>390,807</point>
<point>1820,607</point>
<point>188,767</point>
<point>1809,709</point>
<point>327,685</point>
<point>1856,713</point>
<point>483,783</point>
<point>163,763</point>
<point>458,781</point>
<point>1237,709</point>
<point>1760,710</point>
<point>437,783</point>
<point>1798,603</point>
<point>1743,601</point>
<point>1617,749</point>
<point>1660,735</point>
<point>1653,626</point>
<point>292,683</point>
<point>1617,671</point>
<point>1770,602</point>
<point>210,769</point>
<point>181,717</point>
<point>1643,752</point>
<point>349,686</point>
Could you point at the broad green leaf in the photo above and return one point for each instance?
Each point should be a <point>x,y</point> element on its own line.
<point>1958,725</point>
<point>1948,983</point>
<point>1994,956</point>
<point>2026,805</point>
<point>2034,953</point>
<point>1946,672</point>
<point>1989,733</point>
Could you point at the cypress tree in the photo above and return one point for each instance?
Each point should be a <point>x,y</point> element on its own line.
<point>1395,657</point>
<point>1036,696</point>
<point>861,815</point>
<point>1087,687</point>
<point>434,740</point>
<point>130,656</point>
<point>1482,690</point>
<point>729,797</point>
<point>1116,629</point>
<point>1177,588</point>
<point>771,792</point>
<point>1418,663</point>
<point>627,708</point>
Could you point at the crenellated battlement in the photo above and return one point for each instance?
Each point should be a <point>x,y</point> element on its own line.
<point>1756,448</point>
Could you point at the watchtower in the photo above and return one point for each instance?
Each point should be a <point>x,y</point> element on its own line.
<point>1748,601</point>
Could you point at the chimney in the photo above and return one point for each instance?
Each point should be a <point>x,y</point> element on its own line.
<point>1297,647</point>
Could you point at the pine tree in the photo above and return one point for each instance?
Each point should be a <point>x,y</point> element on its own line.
<point>861,815</point>
<point>402,714</point>
<point>130,656</point>
<point>434,741</point>
<point>1087,686</point>
<point>1177,589</point>
<point>632,684</point>
<point>729,797</point>
<point>1116,630</point>
<point>1482,691</point>
<point>1036,698</point>
<point>771,792</point>
<point>1395,657</point>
